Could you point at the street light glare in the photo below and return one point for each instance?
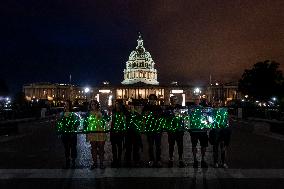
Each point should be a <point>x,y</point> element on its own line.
<point>87,90</point>
<point>197,90</point>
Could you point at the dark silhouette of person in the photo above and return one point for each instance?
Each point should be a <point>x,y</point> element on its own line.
<point>117,132</point>
<point>69,122</point>
<point>175,134</point>
<point>200,135</point>
<point>133,141</point>
<point>219,137</point>
<point>152,112</point>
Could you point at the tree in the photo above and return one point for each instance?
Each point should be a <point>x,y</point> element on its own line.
<point>20,99</point>
<point>263,81</point>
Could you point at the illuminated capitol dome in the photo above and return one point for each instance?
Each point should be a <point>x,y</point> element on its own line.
<point>140,66</point>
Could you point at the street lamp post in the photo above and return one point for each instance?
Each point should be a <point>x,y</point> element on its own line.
<point>87,90</point>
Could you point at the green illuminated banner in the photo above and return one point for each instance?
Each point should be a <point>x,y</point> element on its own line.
<point>197,118</point>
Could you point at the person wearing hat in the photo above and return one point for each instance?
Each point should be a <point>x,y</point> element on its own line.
<point>152,112</point>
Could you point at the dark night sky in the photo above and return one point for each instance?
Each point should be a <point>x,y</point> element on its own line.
<point>44,40</point>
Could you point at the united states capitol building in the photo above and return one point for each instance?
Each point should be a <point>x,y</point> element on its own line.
<point>140,67</point>
<point>140,79</point>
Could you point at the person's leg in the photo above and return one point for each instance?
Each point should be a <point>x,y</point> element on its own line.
<point>226,137</point>
<point>223,154</point>
<point>74,150</point>
<point>66,144</point>
<point>114,151</point>
<point>194,141</point>
<point>136,156</point>
<point>215,154</point>
<point>128,146</point>
<point>119,150</point>
<point>179,139</point>
<point>203,138</point>
<point>101,151</point>
<point>158,138</point>
<point>136,142</point>
<point>171,142</point>
<point>213,140</point>
<point>203,152</point>
<point>94,152</point>
<point>150,139</point>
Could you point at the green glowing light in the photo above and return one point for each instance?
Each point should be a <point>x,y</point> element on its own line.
<point>92,123</point>
<point>68,123</point>
<point>196,119</point>
<point>119,122</point>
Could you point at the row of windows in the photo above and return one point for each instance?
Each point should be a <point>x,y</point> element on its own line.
<point>142,64</point>
<point>141,75</point>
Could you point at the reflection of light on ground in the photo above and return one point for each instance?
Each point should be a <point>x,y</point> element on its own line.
<point>84,159</point>
<point>84,151</point>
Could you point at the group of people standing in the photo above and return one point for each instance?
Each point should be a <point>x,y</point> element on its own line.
<point>124,134</point>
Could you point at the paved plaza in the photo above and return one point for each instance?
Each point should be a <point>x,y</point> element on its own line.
<point>34,157</point>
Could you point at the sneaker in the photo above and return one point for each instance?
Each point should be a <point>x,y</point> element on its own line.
<point>181,164</point>
<point>159,164</point>
<point>204,164</point>
<point>195,164</point>
<point>171,163</point>
<point>216,165</point>
<point>225,166</point>
<point>150,163</point>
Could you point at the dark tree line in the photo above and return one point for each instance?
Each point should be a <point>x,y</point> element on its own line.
<point>263,81</point>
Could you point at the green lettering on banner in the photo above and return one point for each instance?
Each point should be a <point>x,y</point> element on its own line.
<point>195,119</point>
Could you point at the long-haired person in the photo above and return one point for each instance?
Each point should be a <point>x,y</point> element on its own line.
<point>96,136</point>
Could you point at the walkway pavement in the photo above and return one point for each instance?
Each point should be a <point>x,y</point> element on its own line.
<point>33,158</point>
